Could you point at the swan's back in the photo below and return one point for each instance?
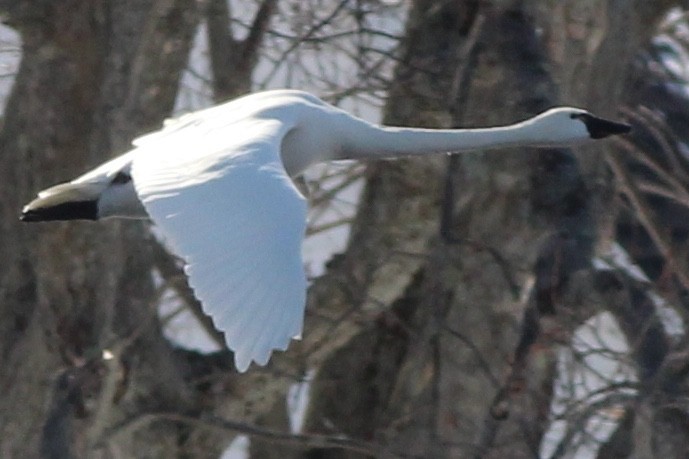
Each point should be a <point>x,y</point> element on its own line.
<point>309,125</point>
<point>284,105</point>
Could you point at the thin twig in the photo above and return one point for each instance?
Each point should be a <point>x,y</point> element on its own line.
<point>309,34</point>
<point>641,156</point>
<point>303,441</point>
<point>646,216</point>
<point>174,276</point>
<point>483,363</point>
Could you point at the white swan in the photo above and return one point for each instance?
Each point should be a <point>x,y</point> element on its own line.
<point>217,184</point>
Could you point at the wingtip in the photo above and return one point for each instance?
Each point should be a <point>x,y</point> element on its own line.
<point>241,363</point>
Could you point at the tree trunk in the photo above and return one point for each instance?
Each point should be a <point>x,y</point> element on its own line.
<point>92,75</point>
<point>462,363</point>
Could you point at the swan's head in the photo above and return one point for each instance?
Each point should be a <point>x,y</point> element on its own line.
<point>564,125</point>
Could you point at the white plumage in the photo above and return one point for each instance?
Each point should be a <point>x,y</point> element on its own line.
<point>218,185</point>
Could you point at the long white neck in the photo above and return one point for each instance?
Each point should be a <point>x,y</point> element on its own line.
<point>368,141</point>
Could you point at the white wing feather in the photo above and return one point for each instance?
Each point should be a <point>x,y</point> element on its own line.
<point>235,217</point>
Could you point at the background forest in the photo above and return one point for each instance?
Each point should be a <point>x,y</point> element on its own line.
<point>522,304</point>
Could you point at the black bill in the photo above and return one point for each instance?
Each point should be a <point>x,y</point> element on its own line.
<point>600,128</point>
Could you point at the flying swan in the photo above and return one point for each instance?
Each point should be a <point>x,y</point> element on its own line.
<point>218,184</point>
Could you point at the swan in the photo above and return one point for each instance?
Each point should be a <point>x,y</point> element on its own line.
<point>218,185</point>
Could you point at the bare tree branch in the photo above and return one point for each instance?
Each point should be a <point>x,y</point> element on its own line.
<point>646,217</point>
<point>232,60</point>
<point>173,274</point>
<point>303,441</point>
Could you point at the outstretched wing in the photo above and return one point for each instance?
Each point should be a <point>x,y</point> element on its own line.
<point>222,198</point>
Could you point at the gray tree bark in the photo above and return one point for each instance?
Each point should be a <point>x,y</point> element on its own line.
<point>92,76</point>
<point>460,363</point>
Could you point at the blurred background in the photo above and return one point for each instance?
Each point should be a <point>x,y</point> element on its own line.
<point>514,304</point>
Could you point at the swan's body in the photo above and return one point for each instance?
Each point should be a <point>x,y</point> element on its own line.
<point>218,185</point>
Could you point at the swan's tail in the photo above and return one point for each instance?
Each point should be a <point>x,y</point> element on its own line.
<point>68,201</point>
